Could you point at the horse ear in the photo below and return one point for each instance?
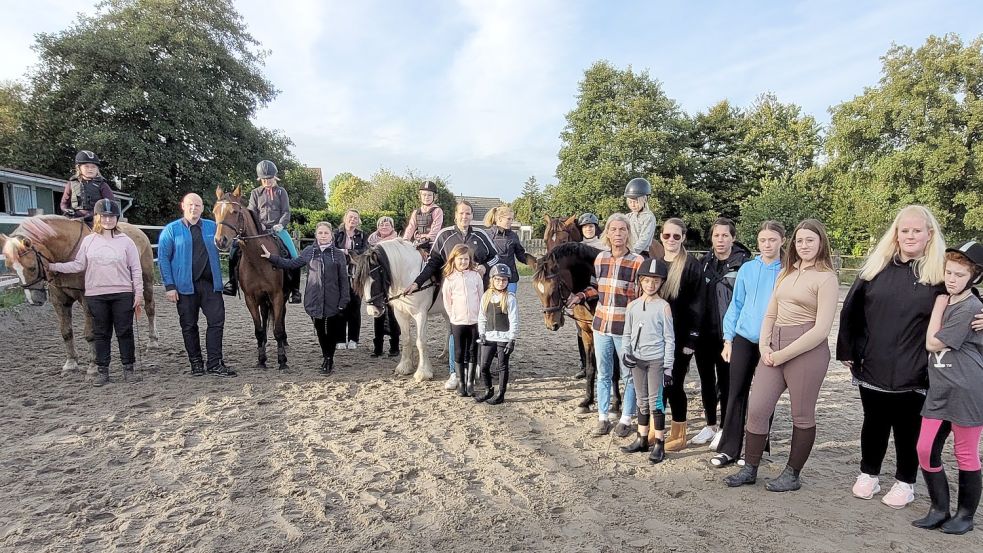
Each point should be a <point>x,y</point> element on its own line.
<point>237,192</point>
<point>546,218</point>
<point>570,222</point>
<point>219,192</point>
<point>25,243</point>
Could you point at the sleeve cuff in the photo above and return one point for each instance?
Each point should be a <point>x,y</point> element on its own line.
<point>170,287</point>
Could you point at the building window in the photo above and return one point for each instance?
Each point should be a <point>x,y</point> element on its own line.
<point>23,199</point>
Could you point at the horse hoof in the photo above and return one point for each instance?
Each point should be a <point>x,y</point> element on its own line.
<point>582,410</point>
<point>70,365</point>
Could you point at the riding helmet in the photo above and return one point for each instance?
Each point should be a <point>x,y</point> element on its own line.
<point>500,270</point>
<point>266,169</point>
<point>588,219</point>
<point>107,207</point>
<point>638,187</point>
<point>973,251</point>
<point>86,156</point>
<point>428,186</point>
<point>653,267</point>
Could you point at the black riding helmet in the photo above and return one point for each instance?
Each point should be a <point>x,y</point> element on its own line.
<point>428,186</point>
<point>653,267</point>
<point>107,207</point>
<point>500,270</point>
<point>638,187</point>
<point>266,169</point>
<point>588,219</point>
<point>973,251</point>
<point>86,156</point>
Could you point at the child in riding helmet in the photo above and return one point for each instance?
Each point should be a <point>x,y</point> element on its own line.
<point>498,324</point>
<point>590,230</point>
<point>461,291</point>
<point>954,402</point>
<point>649,344</point>
<point>426,221</point>
<point>85,188</point>
<point>641,220</point>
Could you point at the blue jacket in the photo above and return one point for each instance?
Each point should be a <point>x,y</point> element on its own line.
<point>174,256</point>
<point>752,292</point>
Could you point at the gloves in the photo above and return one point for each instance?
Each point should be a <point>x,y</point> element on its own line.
<point>629,361</point>
<point>481,340</point>
<point>666,377</point>
<point>510,347</point>
<point>69,212</point>
<point>277,227</point>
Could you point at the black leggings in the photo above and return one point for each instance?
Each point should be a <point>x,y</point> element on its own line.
<point>714,377</point>
<point>329,332</point>
<point>744,357</point>
<point>489,352</point>
<point>884,412</point>
<point>465,350</point>
<point>675,394</point>
<point>112,312</point>
<point>352,318</point>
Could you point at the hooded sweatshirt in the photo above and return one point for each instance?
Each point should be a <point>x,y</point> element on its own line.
<point>752,291</point>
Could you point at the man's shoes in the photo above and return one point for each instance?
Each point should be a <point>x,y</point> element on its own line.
<point>295,296</point>
<point>222,370</point>
<point>197,368</point>
<point>602,428</point>
<point>231,288</point>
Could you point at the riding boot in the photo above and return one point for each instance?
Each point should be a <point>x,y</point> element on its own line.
<point>938,493</point>
<point>677,437</point>
<point>641,443</point>
<point>787,481</point>
<point>376,347</point>
<point>294,285</point>
<point>487,381</point>
<point>393,346</point>
<point>462,387</point>
<point>747,475</point>
<point>469,375</point>
<point>231,287</point>
<point>658,446</point>
<point>503,383</point>
<point>102,377</point>
<point>327,366</point>
<point>969,500</point>
<point>129,375</point>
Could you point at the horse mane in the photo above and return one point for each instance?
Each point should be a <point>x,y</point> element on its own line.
<point>363,265</point>
<point>227,196</point>
<point>38,228</point>
<point>582,252</point>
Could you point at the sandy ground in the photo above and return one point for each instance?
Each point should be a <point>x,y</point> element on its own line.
<point>364,460</point>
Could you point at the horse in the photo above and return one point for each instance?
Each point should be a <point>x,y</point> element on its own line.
<point>261,283</point>
<point>560,231</point>
<point>562,272</point>
<point>52,238</point>
<point>381,275</point>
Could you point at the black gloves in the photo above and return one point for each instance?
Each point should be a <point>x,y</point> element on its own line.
<point>629,361</point>
<point>666,377</point>
<point>510,347</point>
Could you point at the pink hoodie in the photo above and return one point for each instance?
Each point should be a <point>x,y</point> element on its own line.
<point>111,265</point>
<point>462,297</point>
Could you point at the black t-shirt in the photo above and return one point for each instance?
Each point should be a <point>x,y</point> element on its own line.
<point>200,268</point>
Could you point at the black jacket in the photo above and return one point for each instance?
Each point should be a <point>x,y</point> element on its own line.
<point>447,238</point>
<point>327,290</point>
<point>718,281</point>
<point>687,307</point>
<point>883,325</point>
<point>509,248</point>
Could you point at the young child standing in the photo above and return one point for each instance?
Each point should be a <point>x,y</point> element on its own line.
<point>461,291</point>
<point>498,323</point>
<point>649,344</point>
<point>955,394</point>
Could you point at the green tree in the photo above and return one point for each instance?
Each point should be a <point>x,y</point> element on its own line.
<point>786,201</point>
<point>780,141</point>
<point>163,90</point>
<point>13,103</point>
<point>913,138</point>
<point>530,206</point>
<point>344,190</point>
<point>305,187</point>
<point>720,158</point>
<point>623,126</point>
<point>401,196</point>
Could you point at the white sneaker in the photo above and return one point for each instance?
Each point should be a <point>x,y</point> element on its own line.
<point>341,345</point>
<point>715,441</point>
<point>900,496</point>
<point>866,486</point>
<point>704,436</point>
<point>451,383</point>
<point>352,345</point>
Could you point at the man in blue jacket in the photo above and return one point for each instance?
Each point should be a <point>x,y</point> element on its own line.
<point>190,270</point>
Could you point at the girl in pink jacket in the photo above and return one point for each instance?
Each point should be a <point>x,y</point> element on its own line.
<point>461,291</point>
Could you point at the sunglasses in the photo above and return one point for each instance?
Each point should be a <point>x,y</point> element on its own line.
<point>666,236</point>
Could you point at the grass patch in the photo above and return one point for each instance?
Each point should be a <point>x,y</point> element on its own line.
<point>10,297</point>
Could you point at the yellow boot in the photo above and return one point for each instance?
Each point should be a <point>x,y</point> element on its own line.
<point>677,437</point>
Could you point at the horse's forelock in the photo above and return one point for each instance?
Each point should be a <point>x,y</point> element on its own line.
<point>12,248</point>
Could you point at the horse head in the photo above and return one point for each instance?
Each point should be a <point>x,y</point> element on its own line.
<point>560,231</point>
<point>373,277</point>
<point>230,217</point>
<point>26,258</point>
<point>549,283</point>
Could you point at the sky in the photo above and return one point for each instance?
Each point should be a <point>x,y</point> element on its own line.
<point>477,91</point>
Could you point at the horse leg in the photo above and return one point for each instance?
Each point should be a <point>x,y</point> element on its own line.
<point>150,306</point>
<point>591,381</point>
<point>280,329</point>
<point>405,365</point>
<point>63,309</point>
<point>90,336</point>
<point>259,329</point>
<point>424,370</point>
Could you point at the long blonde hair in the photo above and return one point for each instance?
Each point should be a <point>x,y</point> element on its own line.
<point>670,288</point>
<point>824,257</point>
<point>929,268</point>
<point>503,301</point>
<point>97,226</point>
<point>458,251</point>
<point>493,214</point>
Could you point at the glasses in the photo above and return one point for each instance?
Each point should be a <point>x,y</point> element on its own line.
<point>666,236</point>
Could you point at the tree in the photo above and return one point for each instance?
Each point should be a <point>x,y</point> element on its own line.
<point>785,201</point>
<point>779,140</point>
<point>344,190</point>
<point>623,126</point>
<point>163,90</point>
<point>13,102</point>
<point>401,195</point>
<point>530,206</point>
<point>913,138</point>
<point>305,187</point>
<point>720,158</point>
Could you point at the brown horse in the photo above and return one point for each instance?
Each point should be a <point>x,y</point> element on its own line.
<point>560,231</point>
<point>262,284</point>
<point>53,238</point>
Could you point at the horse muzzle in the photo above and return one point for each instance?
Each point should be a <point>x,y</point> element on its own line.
<point>36,296</point>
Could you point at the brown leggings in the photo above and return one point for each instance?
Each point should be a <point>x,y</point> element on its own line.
<point>802,376</point>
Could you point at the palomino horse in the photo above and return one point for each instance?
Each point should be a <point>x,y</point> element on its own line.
<point>381,274</point>
<point>564,271</point>
<point>261,282</point>
<point>53,238</point>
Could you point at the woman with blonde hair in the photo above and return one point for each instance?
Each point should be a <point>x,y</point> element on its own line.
<point>385,325</point>
<point>498,220</point>
<point>882,340</point>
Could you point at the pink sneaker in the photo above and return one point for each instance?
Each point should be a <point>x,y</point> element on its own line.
<point>866,486</point>
<point>900,496</point>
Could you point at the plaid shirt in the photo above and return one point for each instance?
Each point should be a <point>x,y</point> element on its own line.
<point>616,287</point>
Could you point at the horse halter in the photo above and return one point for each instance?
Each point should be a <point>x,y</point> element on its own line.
<point>379,299</point>
<point>42,273</point>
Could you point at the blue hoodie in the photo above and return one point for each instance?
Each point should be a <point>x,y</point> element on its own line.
<point>752,292</point>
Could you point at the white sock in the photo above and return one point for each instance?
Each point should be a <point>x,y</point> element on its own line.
<point>625,420</point>
<point>602,417</point>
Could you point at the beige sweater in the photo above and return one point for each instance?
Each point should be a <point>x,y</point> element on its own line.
<point>803,296</point>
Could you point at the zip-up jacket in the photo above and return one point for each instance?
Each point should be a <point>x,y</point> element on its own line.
<point>174,251</point>
<point>273,210</point>
<point>484,251</point>
<point>718,280</point>
<point>687,306</point>
<point>752,291</point>
<point>648,331</point>
<point>509,248</point>
<point>495,325</point>
<point>327,292</point>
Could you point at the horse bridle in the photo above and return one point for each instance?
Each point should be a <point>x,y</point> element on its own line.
<point>240,226</point>
<point>384,282</point>
<point>42,272</point>
<point>561,306</point>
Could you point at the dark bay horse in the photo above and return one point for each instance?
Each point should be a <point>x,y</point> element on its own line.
<point>560,231</point>
<point>262,284</point>
<point>53,238</point>
<point>562,272</point>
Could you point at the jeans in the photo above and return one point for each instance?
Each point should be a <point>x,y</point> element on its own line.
<point>606,347</point>
<point>212,304</point>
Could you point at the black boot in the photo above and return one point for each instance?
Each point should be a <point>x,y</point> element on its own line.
<point>787,481</point>
<point>747,475</point>
<point>487,381</point>
<point>503,383</point>
<point>294,285</point>
<point>658,452</point>
<point>394,347</point>
<point>641,443</point>
<point>376,347</point>
<point>197,367</point>
<point>231,287</point>
<point>938,492</point>
<point>462,386</point>
<point>969,500</point>
<point>129,375</point>
<point>102,377</point>
<point>327,366</point>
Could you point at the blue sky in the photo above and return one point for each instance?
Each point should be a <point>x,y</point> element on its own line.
<point>476,91</point>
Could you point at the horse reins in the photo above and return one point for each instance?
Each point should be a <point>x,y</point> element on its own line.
<point>239,228</point>
<point>562,307</point>
<point>383,269</point>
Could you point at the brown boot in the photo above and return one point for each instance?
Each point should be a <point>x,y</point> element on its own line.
<point>677,437</point>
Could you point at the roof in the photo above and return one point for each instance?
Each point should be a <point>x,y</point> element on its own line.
<point>482,205</point>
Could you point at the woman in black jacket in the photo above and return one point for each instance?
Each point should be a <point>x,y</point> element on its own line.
<point>351,241</point>
<point>498,220</point>
<point>327,291</point>
<point>882,340</point>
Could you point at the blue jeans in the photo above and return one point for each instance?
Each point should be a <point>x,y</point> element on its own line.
<point>606,347</point>
<point>450,353</point>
